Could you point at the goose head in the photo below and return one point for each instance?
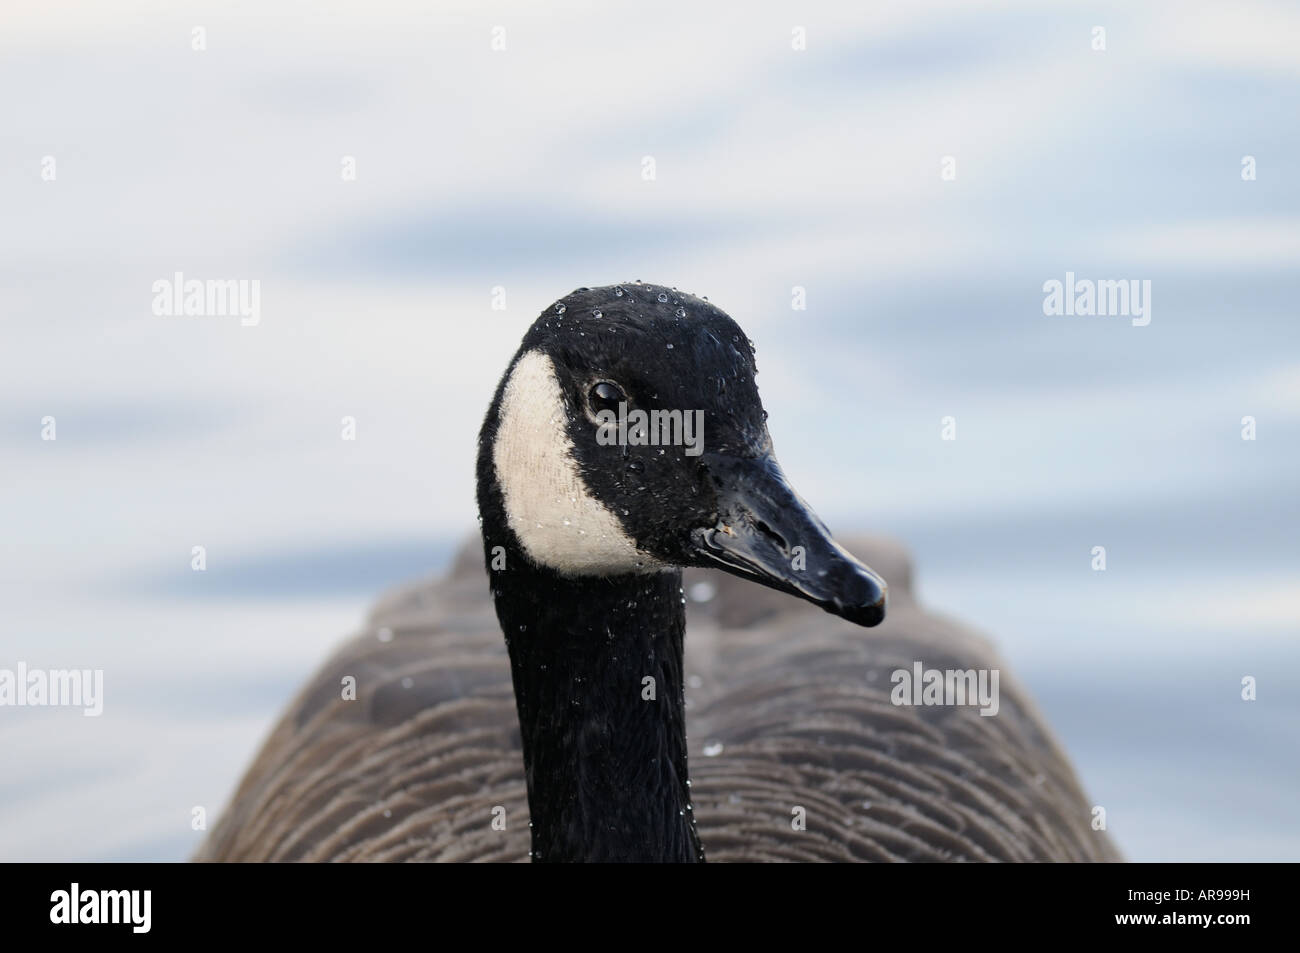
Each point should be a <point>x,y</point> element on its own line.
<point>625,441</point>
<point>627,437</point>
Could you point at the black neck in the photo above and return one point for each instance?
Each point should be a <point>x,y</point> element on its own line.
<point>605,761</point>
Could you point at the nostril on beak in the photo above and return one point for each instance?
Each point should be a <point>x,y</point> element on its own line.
<point>777,539</point>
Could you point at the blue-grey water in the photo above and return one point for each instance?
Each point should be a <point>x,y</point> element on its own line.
<point>519,172</point>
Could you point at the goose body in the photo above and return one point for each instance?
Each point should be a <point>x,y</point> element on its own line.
<point>567,738</point>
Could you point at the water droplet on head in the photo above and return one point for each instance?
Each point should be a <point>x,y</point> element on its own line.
<point>560,309</point>
<point>681,312</point>
<point>636,466</point>
<point>618,292</point>
<point>596,314</point>
<point>663,296</point>
<point>670,347</point>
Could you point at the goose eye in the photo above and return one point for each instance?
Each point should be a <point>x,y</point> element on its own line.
<point>605,396</point>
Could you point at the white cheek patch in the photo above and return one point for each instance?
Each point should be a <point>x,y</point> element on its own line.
<point>560,524</point>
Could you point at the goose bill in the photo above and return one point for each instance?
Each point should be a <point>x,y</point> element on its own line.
<point>766,533</point>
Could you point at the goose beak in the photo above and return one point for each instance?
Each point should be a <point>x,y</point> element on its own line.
<point>766,533</point>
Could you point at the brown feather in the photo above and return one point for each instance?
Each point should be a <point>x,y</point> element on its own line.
<point>797,699</point>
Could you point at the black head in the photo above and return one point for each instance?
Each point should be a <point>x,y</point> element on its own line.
<point>628,436</point>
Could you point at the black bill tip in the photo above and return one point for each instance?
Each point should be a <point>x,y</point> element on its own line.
<point>767,533</point>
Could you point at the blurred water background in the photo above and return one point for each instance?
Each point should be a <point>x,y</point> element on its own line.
<point>775,168</point>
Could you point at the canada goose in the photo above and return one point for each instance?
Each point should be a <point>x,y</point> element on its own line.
<point>797,750</point>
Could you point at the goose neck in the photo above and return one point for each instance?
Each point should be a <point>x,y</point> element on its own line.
<point>597,669</point>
